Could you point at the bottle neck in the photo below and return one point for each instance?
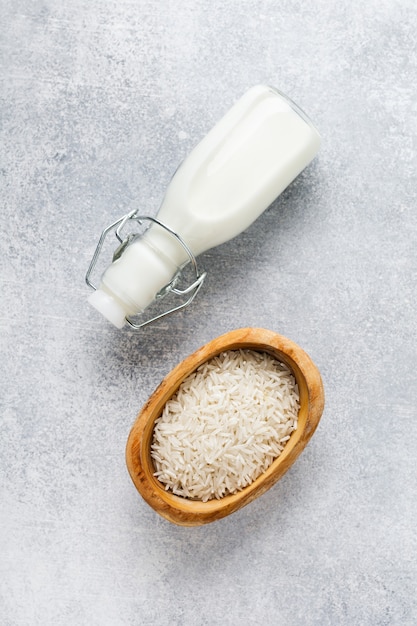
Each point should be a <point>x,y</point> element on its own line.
<point>133,281</point>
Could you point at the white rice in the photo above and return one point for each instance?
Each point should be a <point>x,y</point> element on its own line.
<point>225,425</point>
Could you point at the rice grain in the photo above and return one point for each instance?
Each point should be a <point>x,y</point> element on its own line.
<point>225,425</point>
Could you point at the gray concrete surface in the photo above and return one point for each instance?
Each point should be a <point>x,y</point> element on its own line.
<point>100,102</point>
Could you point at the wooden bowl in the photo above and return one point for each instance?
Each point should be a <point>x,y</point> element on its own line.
<point>187,512</point>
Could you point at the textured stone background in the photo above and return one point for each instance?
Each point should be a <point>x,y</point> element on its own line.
<point>100,102</point>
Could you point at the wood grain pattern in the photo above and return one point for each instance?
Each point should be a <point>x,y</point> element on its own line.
<point>186,512</point>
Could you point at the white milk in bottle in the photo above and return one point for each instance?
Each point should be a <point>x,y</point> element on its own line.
<point>226,182</point>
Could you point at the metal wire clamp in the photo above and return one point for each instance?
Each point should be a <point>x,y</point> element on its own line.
<point>190,291</point>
